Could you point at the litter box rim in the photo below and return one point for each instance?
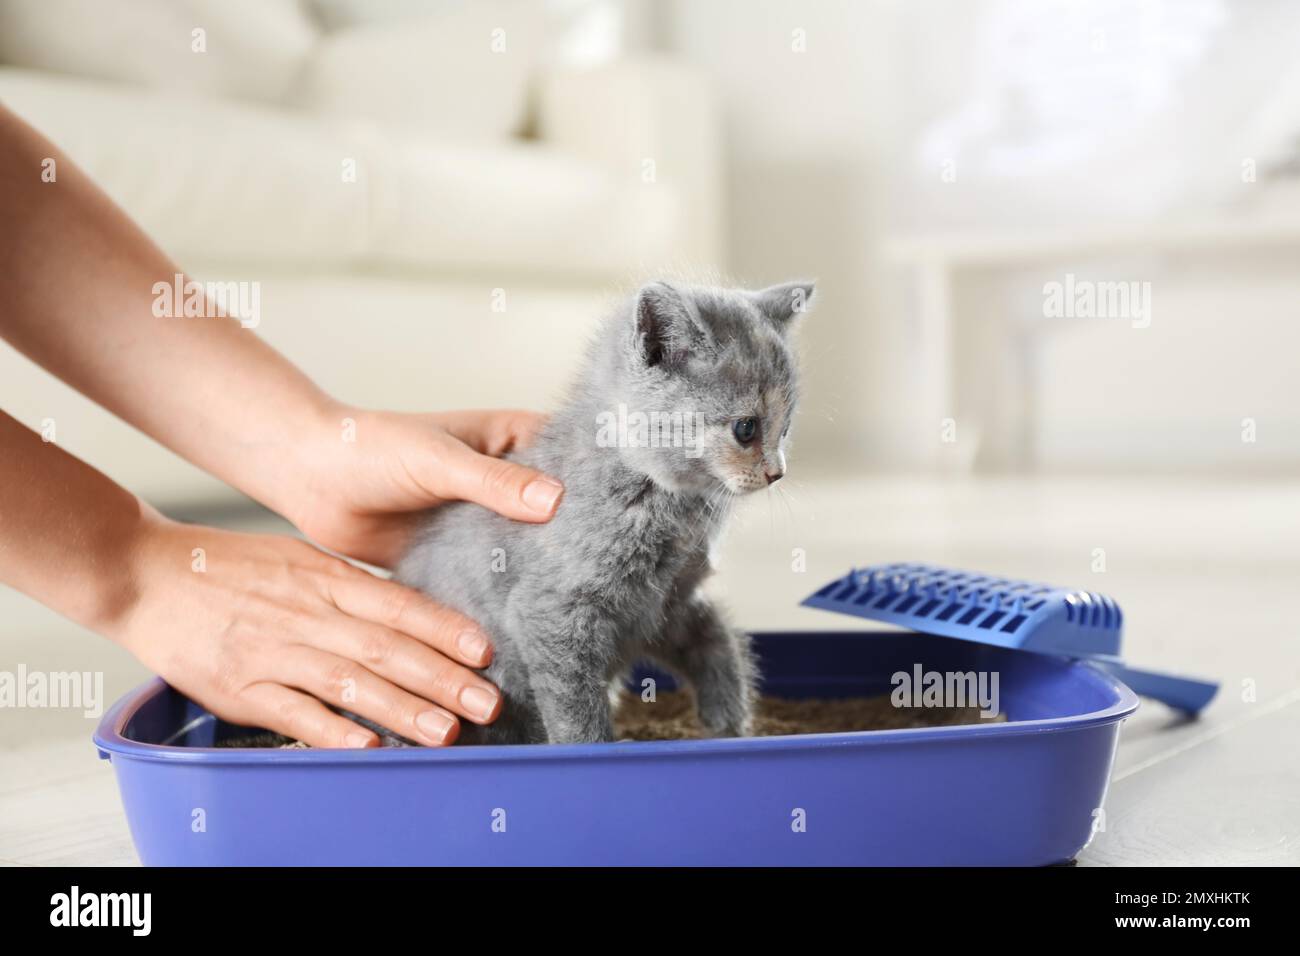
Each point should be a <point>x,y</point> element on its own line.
<point>110,739</point>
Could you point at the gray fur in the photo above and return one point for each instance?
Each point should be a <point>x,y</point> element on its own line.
<point>614,577</point>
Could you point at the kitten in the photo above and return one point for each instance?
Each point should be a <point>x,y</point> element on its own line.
<point>615,576</point>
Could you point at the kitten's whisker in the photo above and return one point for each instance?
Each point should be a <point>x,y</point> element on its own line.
<point>784,495</point>
<point>788,488</point>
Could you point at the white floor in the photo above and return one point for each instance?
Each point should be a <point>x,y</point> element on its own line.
<point>1207,574</point>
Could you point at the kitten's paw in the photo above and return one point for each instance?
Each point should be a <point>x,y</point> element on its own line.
<point>580,732</point>
<point>734,724</point>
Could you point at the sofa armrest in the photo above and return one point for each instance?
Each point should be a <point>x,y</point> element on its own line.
<point>653,120</point>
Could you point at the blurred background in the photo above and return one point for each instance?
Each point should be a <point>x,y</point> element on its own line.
<point>1056,243</point>
<point>438,199</point>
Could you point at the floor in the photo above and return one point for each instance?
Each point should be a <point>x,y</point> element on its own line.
<point>1207,575</point>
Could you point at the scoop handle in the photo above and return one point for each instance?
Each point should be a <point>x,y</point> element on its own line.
<point>1184,693</point>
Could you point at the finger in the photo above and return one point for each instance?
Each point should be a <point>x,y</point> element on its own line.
<point>345,683</point>
<point>407,663</point>
<point>512,490</point>
<point>492,431</point>
<point>404,609</point>
<point>304,718</point>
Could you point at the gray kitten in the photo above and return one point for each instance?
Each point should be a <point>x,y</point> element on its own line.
<point>684,403</point>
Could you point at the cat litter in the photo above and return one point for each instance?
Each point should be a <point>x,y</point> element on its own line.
<point>671,716</point>
<point>1023,789</point>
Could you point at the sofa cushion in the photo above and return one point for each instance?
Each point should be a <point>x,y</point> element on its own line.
<point>207,178</point>
<point>252,49</point>
<point>251,186</point>
<point>461,71</point>
<point>525,206</point>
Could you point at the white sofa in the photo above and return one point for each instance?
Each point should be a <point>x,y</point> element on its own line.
<point>429,229</point>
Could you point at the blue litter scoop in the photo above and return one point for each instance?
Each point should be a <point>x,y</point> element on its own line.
<point>1007,613</point>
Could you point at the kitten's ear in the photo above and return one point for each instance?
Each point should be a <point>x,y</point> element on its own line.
<point>666,330</point>
<point>783,303</point>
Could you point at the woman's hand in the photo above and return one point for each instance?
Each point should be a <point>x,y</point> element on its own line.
<point>367,475</point>
<point>260,629</point>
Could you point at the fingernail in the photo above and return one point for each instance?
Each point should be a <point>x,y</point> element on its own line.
<point>478,701</point>
<point>358,740</point>
<point>541,494</point>
<point>472,645</point>
<point>435,725</point>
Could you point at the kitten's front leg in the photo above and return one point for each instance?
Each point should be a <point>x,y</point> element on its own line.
<point>574,707</point>
<point>717,660</point>
<point>568,674</point>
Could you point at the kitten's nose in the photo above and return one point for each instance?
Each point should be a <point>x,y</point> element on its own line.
<point>773,476</point>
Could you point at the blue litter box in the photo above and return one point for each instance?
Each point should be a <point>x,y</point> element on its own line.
<point>1022,792</point>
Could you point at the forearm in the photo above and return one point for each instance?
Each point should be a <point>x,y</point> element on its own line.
<point>76,296</point>
<point>67,532</point>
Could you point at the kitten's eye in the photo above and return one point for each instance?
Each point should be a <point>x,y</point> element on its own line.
<point>745,429</point>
